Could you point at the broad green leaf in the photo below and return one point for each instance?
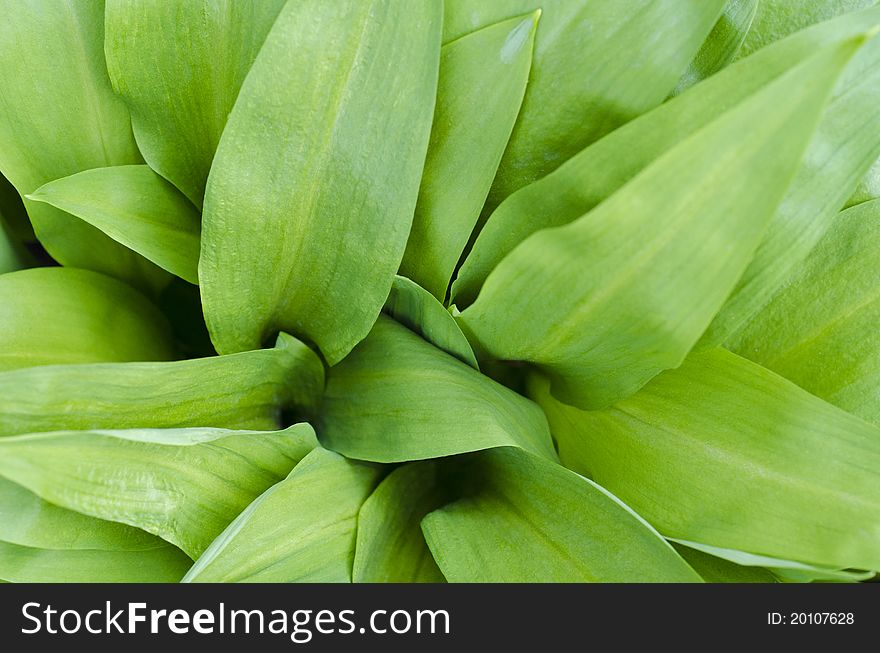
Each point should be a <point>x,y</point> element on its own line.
<point>64,315</point>
<point>777,19</point>
<point>396,398</point>
<point>204,53</point>
<point>135,207</point>
<point>837,157</point>
<point>300,530</point>
<point>162,563</point>
<point>729,454</point>
<point>184,485</point>
<point>624,292</point>
<point>597,64</point>
<point>718,570</point>
<point>785,570</point>
<point>832,346</point>
<point>532,520</point>
<point>420,311</point>
<point>482,80</point>
<point>61,118</point>
<point>42,542</point>
<point>239,391</point>
<point>722,44</point>
<point>311,195</point>
<point>390,545</point>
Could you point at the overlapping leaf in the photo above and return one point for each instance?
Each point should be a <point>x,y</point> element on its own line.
<point>184,485</point>
<point>417,309</point>
<point>64,315</point>
<point>312,187</point>
<point>135,207</point>
<point>300,530</point>
<point>239,391</point>
<point>396,397</point>
<point>390,545</point>
<point>205,51</point>
<point>597,65</point>
<point>821,331</point>
<point>777,19</point>
<point>722,44</point>
<point>728,454</point>
<point>531,520</point>
<point>60,116</point>
<point>624,292</point>
<point>839,152</point>
<point>482,80</point>
<point>41,542</point>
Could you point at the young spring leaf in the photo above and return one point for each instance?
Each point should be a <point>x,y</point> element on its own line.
<point>722,44</point>
<point>42,542</point>
<point>624,292</point>
<point>135,207</point>
<point>531,520</point>
<point>64,119</point>
<point>418,310</point>
<point>482,80</point>
<point>845,141</point>
<point>300,530</point>
<point>184,485</point>
<point>397,398</point>
<point>311,195</point>
<point>603,61</point>
<point>724,452</point>
<point>64,315</point>
<point>832,348</point>
<point>239,391</point>
<point>390,545</point>
<point>205,51</point>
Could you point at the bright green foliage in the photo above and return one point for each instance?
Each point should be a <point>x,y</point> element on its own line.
<point>440,291</point>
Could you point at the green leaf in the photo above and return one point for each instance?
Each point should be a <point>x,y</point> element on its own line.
<point>300,530</point>
<point>397,398</point>
<point>777,19</point>
<point>184,485</point>
<point>239,391</point>
<point>722,44</point>
<point>419,310</point>
<point>64,119</point>
<point>729,454</point>
<point>625,291</point>
<point>718,570</point>
<point>390,545</point>
<point>531,520</point>
<point>839,152</point>
<point>135,207</point>
<point>205,51</point>
<point>786,570</point>
<point>832,349</point>
<point>311,195</point>
<point>64,315</point>
<point>12,209</point>
<point>163,563</point>
<point>41,542</point>
<point>482,80</point>
<point>597,65</point>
